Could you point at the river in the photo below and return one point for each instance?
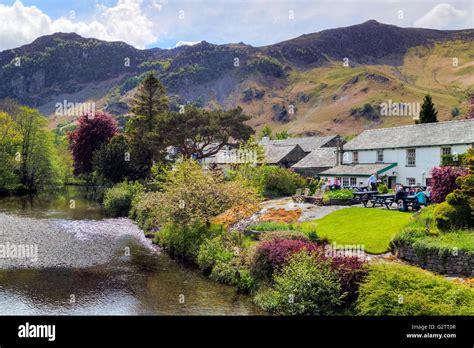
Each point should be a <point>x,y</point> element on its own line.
<point>88,264</point>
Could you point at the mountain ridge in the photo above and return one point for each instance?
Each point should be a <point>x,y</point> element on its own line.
<point>260,79</point>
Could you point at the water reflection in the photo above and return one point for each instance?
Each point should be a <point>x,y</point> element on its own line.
<point>70,202</point>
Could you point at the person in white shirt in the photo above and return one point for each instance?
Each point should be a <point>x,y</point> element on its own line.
<point>372,182</point>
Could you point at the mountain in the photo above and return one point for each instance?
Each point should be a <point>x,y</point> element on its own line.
<point>300,85</point>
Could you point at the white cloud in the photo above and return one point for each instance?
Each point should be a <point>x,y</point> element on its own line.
<point>126,21</point>
<point>186,43</point>
<point>443,16</point>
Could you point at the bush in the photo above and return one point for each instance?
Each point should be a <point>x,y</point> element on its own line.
<point>225,272</point>
<point>350,271</point>
<point>393,289</point>
<point>283,235</point>
<point>144,211</point>
<point>305,286</point>
<point>191,195</point>
<point>448,217</point>
<point>213,251</point>
<point>272,254</point>
<point>270,226</point>
<point>337,194</point>
<point>185,240</point>
<point>270,181</point>
<point>232,273</point>
<point>118,199</point>
<point>382,188</point>
<point>444,181</point>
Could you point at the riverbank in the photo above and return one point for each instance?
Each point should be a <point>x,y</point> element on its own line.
<point>95,265</point>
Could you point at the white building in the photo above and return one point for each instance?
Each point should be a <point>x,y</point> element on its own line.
<point>404,155</point>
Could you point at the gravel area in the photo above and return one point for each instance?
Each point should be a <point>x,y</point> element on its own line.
<point>64,243</point>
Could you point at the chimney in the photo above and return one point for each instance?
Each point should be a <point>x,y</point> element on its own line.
<point>339,151</point>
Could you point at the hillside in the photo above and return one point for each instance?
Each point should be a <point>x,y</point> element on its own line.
<point>305,74</point>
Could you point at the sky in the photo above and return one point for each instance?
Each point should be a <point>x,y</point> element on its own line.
<point>171,23</point>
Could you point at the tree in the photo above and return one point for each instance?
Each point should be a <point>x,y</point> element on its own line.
<point>111,162</point>
<point>428,113</point>
<point>266,132</point>
<point>37,157</point>
<point>10,141</point>
<point>146,145</point>
<point>93,131</point>
<point>200,133</point>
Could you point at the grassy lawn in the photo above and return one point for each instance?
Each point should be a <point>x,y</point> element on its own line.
<point>373,228</point>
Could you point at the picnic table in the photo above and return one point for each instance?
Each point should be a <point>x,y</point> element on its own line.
<point>410,201</point>
<point>358,188</point>
<point>383,200</point>
<point>364,197</point>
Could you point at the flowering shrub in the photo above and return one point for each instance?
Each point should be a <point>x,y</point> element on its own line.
<point>281,215</point>
<point>306,285</point>
<point>235,214</point>
<point>444,181</point>
<point>271,254</point>
<point>351,271</point>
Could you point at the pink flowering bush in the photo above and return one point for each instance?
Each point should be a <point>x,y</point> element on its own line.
<point>444,181</point>
<point>272,254</point>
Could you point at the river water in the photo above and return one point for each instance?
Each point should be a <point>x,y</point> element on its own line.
<point>72,260</point>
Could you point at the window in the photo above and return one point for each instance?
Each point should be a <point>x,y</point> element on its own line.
<point>355,157</point>
<point>411,181</point>
<point>379,155</point>
<point>445,151</point>
<point>411,157</point>
<point>345,182</point>
<point>353,181</point>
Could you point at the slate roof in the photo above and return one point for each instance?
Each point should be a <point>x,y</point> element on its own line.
<point>318,158</point>
<point>361,169</point>
<point>275,153</point>
<point>426,134</point>
<point>308,144</point>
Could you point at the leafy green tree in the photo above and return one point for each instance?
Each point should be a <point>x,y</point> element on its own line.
<point>200,133</point>
<point>111,162</point>
<point>10,141</point>
<point>266,132</point>
<point>37,156</point>
<point>428,113</point>
<point>146,144</point>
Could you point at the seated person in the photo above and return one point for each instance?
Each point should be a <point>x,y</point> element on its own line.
<point>428,194</point>
<point>399,192</point>
<point>420,196</point>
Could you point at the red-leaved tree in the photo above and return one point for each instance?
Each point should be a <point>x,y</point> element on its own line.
<point>444,181</point>
<point>93,131</point>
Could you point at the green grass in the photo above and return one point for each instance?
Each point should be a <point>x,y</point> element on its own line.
<point>372,228</point>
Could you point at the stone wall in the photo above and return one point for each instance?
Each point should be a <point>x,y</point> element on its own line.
<point>457,262</point>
